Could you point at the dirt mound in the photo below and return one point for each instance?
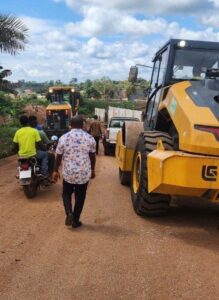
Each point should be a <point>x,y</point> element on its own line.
<point>37,110</point>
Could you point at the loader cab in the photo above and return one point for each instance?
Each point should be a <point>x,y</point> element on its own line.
<point>64,103</point>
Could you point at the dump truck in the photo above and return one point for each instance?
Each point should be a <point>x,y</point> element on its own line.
<point>175,150</point>
<point>64,104</point>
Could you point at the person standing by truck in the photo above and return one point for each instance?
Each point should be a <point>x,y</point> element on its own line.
<point>95,131</point>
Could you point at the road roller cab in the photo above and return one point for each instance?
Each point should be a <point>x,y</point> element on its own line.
<point>175,151</point>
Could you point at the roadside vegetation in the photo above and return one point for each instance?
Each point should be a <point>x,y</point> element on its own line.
<point>13,38</point>
<point>12,106</point>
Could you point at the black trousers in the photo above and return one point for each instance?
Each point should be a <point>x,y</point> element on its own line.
<point>80,194</point>
<point>97,143</point>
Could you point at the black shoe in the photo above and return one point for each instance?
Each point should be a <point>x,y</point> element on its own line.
<point>69,220</point>
<point>76,224</point>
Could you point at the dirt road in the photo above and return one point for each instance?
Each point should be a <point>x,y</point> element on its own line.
<point>115,255</point>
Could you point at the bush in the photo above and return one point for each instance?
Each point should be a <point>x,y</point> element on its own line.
<point>87,106</point>
<point>6,140</point>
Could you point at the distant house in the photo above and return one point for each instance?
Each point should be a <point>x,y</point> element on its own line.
<point>139,95</point>
<point>29,92</point>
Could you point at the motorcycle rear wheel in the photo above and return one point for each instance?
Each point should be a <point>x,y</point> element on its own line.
<point>30,190</point>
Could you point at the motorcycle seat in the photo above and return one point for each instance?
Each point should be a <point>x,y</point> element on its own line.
<point>24,159</point>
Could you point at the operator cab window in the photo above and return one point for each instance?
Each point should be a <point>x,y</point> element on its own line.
<point>157,79</point>
<point>159,70</point>
<point>154,79</point>
<point>192,64</point>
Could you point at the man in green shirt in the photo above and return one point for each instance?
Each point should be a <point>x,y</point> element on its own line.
<point>27,141</point>
<point>33,122</point>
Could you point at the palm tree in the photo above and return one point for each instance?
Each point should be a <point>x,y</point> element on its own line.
<point>13,34</point>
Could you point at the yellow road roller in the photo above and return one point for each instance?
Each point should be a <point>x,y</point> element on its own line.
<point>175,151</point>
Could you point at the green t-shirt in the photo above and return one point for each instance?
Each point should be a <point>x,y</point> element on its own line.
<point>44,137</point>
<point>26,138</point>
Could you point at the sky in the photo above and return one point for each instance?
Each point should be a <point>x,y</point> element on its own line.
<point>91,39</point>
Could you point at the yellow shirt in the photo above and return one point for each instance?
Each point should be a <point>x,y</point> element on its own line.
<point>26,138</point>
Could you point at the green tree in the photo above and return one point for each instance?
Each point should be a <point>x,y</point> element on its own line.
<point>105,87</point>
<point>13,34</point>
<point>91,92</point>
<point>73,80</point>
<point>58,82</point>
<point>5,104</point>
<point>5,85</point>
<point>129,88</point>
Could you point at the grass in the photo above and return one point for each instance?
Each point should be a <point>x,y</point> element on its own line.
<point>6,140</point>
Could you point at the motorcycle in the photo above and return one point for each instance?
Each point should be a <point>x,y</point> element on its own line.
<point>29,175</point>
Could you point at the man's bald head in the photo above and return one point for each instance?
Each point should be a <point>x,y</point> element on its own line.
<point>77,122</point>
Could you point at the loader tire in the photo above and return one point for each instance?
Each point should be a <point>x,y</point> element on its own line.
<point>145,204</point>
<point>124,177</point>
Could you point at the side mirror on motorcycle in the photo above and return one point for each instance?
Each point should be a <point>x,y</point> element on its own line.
<point>54,138</point>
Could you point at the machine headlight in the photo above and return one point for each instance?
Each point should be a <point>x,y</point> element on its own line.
<point>181,44</point>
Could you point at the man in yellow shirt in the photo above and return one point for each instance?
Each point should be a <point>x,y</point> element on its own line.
<point>27,140</point>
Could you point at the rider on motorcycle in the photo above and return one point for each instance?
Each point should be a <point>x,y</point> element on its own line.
<point>28,143</point>
<point>33,122</point>
<point>48,144</point>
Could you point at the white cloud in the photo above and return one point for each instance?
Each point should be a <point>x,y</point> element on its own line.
<point>183,33</point>
<point>211,20</point>
<point>99,22</point>
<point>36,25</point>
<point>107,40</point>
<point>215,2</point>
<point>142,6</point>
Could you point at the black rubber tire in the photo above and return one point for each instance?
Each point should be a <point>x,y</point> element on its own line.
<point>124,177</point>
<point>30,190</point>
<point>106,149</point>
<point>145,204</point>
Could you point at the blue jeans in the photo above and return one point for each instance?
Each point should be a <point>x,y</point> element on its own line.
<point>43,157</point>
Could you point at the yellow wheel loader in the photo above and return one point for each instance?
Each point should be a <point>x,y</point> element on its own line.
<point>175,151</point>
<point>64,103</point>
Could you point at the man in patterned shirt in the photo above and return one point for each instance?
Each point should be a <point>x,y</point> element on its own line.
<point>76,149</point>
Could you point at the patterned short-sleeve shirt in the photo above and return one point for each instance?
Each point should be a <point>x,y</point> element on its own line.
<point>75,147</point>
